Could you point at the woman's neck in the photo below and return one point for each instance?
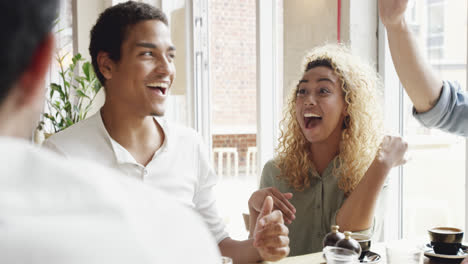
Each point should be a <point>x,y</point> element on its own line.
<point>322,153</point>
<point>322,156</point>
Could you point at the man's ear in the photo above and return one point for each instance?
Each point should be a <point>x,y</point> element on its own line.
<point>31,82</point>
<point>105,64</point>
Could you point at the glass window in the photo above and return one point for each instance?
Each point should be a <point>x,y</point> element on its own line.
<point>217,40</point>
<point>233,84</point>
<point>434,180</point>
<point>63,32</point>
<point>435,17</point>
<point>179,105</point>
<point>435,29</point>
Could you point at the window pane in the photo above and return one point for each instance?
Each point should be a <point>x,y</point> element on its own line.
<point>434,180</point>
<point>178,105</point>
<point>436,18</point>
<point>233,82</point>
<point>63,32</point>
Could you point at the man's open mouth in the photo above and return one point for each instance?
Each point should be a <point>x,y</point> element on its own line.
<point>159,86</point>
<point>311,120</point>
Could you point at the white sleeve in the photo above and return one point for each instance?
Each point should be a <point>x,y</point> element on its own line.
<point>204,199</point>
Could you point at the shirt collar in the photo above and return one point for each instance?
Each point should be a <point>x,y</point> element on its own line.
<point>121,154</point>
<point>328,171</point>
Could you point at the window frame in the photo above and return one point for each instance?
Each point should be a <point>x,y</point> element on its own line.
<point>268,92</point>
<point>394,113</point>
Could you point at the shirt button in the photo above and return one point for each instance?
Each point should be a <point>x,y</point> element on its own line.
<point>145,172</point>
<point>318,207</point>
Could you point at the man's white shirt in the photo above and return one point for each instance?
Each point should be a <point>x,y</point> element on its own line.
<point>53,210</point>
<point>180,168</point>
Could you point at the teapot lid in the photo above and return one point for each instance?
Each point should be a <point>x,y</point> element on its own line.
<point>348,234</point>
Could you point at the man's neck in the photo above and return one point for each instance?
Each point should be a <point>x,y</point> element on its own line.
<point>16,122</point>
<point>140,135</point>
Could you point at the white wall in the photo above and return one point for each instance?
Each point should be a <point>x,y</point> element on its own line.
<point>86,14</point>
<point>361,25</point>
<point>312,23</point>
<point>306,24</point>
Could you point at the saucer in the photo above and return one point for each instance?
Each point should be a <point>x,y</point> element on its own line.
<point>371,258</point>
<point>462,253</point>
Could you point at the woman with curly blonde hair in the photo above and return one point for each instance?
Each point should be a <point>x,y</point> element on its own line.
<point>332,159</point>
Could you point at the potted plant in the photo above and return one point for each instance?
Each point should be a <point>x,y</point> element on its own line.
<point>69,100</point>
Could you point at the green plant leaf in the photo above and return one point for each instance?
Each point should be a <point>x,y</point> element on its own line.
<point>97,86</point>
<point>82,94</point>
<point>76,58</point>
<point>86,70</point>
<point>48,116</point>
<point>51,93</point>
<point>85,85</point>
<point>58,105</point>
<point>56,87</point>
<point>82,83</point>
<point>67,108</point>
<point>69,122</point>
<point>92,74</point>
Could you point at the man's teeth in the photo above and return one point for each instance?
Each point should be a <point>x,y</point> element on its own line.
<point>310,115</point>
<point>159,84</point>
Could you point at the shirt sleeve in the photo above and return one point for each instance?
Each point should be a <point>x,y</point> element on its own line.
<point>204,199</point>
<point>268,173</point>
<point>450,113</point>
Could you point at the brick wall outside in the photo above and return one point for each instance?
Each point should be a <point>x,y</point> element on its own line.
<point>233,79</point>
<point>233,62</point>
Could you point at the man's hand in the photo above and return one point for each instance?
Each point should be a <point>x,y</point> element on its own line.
<point>280,202</point>
<point>392,12</point>
<point>270,234</point>
<point>465,261</point>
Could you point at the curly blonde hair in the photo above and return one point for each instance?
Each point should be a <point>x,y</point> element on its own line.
<point>362,130</point>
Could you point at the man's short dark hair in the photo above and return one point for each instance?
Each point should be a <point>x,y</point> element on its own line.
<point>25,24</point>
<point>112,27</point>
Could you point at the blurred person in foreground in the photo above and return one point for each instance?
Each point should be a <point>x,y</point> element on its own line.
<point>437,103</point>
<point>332,159</point>
<point>54,210</point>
<point>133,57</point>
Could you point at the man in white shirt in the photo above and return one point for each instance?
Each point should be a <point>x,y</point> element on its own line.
<point>133,57</point>
<point>54,210</point>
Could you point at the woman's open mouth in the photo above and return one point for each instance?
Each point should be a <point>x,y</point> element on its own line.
<point>311,120</point>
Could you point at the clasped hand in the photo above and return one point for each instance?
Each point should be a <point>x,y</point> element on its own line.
<point>270,234</point>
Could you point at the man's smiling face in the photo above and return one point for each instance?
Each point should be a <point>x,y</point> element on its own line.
<point>140,81</point>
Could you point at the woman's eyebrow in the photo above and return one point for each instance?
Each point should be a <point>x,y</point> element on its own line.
<point>325,80</point>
